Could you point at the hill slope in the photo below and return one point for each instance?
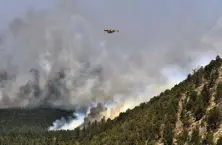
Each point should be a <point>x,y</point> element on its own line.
<point>33,119</point>
<point>189,113</point>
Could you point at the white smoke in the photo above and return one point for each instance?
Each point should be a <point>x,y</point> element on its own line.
<point>62,124</point>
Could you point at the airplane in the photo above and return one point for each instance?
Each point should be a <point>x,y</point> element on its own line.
<point>110,30</point>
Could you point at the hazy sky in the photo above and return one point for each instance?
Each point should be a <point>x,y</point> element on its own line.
<point>10,9</point>
<point>137,16</point>
<point>151,24</point>
<point>121,13</point>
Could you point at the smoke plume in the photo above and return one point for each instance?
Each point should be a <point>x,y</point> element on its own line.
<point>62,58</point>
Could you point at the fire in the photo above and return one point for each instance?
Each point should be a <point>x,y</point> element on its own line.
<point>114,112</point>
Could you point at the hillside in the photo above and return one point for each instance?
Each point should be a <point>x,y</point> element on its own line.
<point>35,119</point>
<point>190,113</point>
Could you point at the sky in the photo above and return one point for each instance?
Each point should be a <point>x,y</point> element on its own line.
<point>131,17</point>
<point>119,13</point>
<point>9,9</point>
<point>159,42</point>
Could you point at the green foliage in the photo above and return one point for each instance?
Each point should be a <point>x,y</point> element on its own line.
<point>36,119</point>
<point>219,141</point>
<point>192,101</point>
<point>213,119</point>
<point>199,111</point>
<point>198,77</point>
<point>205,95</point>
<point>195,138</point>
<point>197,104</point>
<point>183,137</point>
<point>209,139</point>
<point>218,58</point>
<point>218,93</point>
<point>185,119</point>
<point>168,134</point>
<point>210,69</point>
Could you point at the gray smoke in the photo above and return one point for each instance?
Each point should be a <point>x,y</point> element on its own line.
<point>62,58</point>
<point>96,113</point>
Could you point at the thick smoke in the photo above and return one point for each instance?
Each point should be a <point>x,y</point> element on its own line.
<point>63,59</point>
<point>55,59</point>
<point>95,113</point>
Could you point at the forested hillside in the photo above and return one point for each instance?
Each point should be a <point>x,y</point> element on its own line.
<point>190,113</point>
<point>32,119</point>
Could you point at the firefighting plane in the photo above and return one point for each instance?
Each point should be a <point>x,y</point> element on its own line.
<point>110,30</point>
